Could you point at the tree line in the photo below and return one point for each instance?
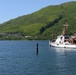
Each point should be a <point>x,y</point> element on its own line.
<point>50,24</point>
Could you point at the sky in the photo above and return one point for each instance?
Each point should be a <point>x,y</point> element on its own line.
<point>10,9</point>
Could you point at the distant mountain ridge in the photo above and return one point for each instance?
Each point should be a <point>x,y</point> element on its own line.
<point>44,22</point>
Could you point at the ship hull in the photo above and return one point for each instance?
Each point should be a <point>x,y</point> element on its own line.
<point>52,44</point>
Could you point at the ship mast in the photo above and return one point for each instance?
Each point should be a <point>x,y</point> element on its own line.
<point>65,29</point>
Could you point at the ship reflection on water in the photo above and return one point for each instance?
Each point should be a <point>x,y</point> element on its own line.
<point>63,50</point>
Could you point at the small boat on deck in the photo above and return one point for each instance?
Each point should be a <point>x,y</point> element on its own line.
<point>64,40</point>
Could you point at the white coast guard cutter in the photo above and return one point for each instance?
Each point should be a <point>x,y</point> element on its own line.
<point>64,40</point>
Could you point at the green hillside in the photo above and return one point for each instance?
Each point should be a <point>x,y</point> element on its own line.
<point>44,22</point>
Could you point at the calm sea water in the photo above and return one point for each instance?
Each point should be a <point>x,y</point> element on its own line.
<point>20,58</point>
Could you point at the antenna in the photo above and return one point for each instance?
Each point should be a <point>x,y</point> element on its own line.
<point>65,25</point>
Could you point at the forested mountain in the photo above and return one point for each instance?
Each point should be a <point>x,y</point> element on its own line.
<point>44,22</point>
